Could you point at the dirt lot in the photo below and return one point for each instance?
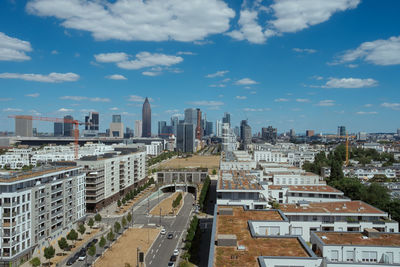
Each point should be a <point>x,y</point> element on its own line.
<point>210,162</point>
<point>166,205</point>
<point>124,250</point>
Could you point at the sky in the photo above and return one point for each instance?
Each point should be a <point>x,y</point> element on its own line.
<point>301,64</point>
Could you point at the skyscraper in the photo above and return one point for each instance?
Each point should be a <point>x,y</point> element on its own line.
<point>218,128</point>
<point>185,138</point>
<point>161,126</point>
<point>227,118</point>
<point>92,121</point>
<point>68,126</point>
<point>199,128</point>
<point>116,118</point>
<point>245,133</point>
<point>191,116</point>
<point>146,119</point>
<point>138,128</point>
<point>58,129</point>
<point>341,131</point>
<point>309,133</point>
<point>174,124</point>
<point>116,127</point>
<point>269,134</point>
<point>23,126</point>
<point>209,128</point>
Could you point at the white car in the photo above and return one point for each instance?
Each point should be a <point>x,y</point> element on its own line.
<point>176,252</point>
<point>82,257</point>
<point>163,231</point>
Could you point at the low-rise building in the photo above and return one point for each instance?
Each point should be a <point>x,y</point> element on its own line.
<point>309,193</point>
<point>237,160</point>
<point>187,176</point>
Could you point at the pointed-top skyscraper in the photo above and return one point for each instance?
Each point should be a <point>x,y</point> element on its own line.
<point>146,119</point>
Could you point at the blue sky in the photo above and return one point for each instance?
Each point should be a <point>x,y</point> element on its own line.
<point>302,64</point>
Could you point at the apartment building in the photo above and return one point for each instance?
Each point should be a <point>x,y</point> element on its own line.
<point>366,173</point>
<point>308,193</point>
<point>36,208</point>
<point>236,160</point>
<point>155,148</point>
<point>112,175</point>
<point>367,248</point>
<point>16,158</point>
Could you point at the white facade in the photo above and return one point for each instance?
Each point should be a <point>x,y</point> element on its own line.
<point>154,149</point>
<point>237,160</point>
<point>138,128</point>
<point>368,172</point>
<point>16,158</point>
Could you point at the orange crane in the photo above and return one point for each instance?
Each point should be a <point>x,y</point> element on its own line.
<point>76,124</point>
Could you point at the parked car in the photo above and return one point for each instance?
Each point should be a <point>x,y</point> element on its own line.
<point>170,236</point>
<point>82,257</point>
<point>176,252</point>
<point>71,261</point>
<point>173,258</point>
<point>171,264</point>
<point>163,231</point>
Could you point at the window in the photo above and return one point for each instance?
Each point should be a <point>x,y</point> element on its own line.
<point>350,255</point>
<point>297,230</point>
<point>369,256</point>
<point>280,194</point>
<point>334,255</point>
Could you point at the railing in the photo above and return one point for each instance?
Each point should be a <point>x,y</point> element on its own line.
<point>9,224</point>
<point>56,198</point>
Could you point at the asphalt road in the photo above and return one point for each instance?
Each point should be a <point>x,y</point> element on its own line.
<point>163,248</point>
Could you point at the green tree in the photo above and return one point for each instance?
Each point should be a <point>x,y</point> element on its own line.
<point>123,221</point>
<point>214,172</point>
<point>336,171</point>
<point>63,244</point>
<point>129,217</point>
<point>72,235</point>
<point>97,217</point>
<point>123,201</point>
<point>119,203</point>
<point>117,227</point>
<point>49,253</point>
<point>102,242</point>
<point>35,262</point>
<point>91,222</point>
<point>81,229</point>
<point>110,236</point>
<point>92,250</point>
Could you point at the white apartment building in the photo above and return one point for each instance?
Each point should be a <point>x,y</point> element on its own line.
<point>368,248</point>
<point>229,142</point>
<point>155,148</point>
<point>36,208</point>
<point>112,175</point>
<point>366,173</point>
<point>16,158</point>
<point>236,160</point>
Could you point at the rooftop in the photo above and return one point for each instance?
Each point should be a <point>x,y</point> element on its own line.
<point>331,207</point>
<point>18,176</point>
<point>238,180</point>
<point>307,188</point>
<point>237,224</point>
<point>348,238</point>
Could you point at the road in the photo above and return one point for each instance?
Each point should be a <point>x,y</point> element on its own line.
<point>163,248</point>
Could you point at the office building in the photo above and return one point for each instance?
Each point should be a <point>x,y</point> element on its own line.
<point>236,131</point>
<point>138,128</point>
<point>68,126</point>
<point>227,118</point>
<point>398,131</point>
<point>146,119</point>
<point>174,124</point>
<point>199,127</point>
<point>23,126</point>
<point>292,133</point>
<point>209,128</point>
<point>161,127</point>
<point>37,208</point>
<point>228,138</point>
<point>92,121</point>
<point>269,134</point>
<point>218,128</point>
<point>58,129</point>
<point>362,136</point>
<point>341,132</point>
<point>245,134</point>
<point>116,127</point>
<point>309,133</point>
<point>112,175</point>
<point>185,139</point>
<point>191,116</point>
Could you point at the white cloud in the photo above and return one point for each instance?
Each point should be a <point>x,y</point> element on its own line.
<point>13,49</point>
<point>172,111</point>
<point>187,53</point>
<point>281,100</point>
<point>146,59</point>
<point>5,99</point>
<point>206,103</point>
<point>87,110</point>
<point>54,52</point>
<point>303,100</point>
<point>245,81</point>
<point>12,110</point>
<point>99,99</point>
<point>352,66</point>
<point>136,98</point>
<point>253,92</point>
<point>326,103</point>
<point>113,109</point>
<point>379,52</point>
<point>65,110</point>
<point>34,95</point>
<point>50,78</point>
<point>304,50</point>
<point>157,20</point>
<point>35,112</point>
<point>80,98</point>
<point>150,73</point>
<point>256,109</point>
<point>217,74</point>
<point>366,112</point>
<point>241,97</point>
<point>221,85</point>
<point>350,83</point>
<point>395,106</point>
<point>116,77</point>
<point>368,105</point>
<point>289,16</point>
<point>111,57</point>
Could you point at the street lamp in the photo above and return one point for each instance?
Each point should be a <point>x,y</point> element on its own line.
<point>137,256</point>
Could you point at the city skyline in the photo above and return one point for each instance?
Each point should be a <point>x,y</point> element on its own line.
<point>318,73</point>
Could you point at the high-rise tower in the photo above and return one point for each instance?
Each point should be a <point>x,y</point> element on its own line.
<point>146,119</point>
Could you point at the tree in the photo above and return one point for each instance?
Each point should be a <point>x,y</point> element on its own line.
<point>92,250</point>
<point>110,236</point>
<point>62,243</point>
<point>97,217</point>
<point>81,229</point>
<point>336,171</point>
<point>102,242</point>
<point>49,253</point>
<point>123,221</point>
<point>35,262</point>
<point>119,203</point>
<point>91,222</point>
<point>129,217</point>
<point>117,227</point>
<point>72,235</point>
<point>214,172</point>
<point>123,201</point>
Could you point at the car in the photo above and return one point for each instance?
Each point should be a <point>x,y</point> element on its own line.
<point>91,243</point>
<point>171,264</point>
<point>170,236</point>
<point>163,231</point>
<point>173,258</point>
<point>82,257</point>
<point>176,252</point>
<point>71,261</point>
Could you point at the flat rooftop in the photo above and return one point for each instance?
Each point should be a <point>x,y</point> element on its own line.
<point>237,224</point>
<point>348,238</point>
<point>307,188</point>
<point>238,180</point>
<point>30,174</point>
<point>331,207</point>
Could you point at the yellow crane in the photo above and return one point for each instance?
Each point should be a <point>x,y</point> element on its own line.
<point>347,149</point>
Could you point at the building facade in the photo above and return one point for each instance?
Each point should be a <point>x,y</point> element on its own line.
<point>146,119</point>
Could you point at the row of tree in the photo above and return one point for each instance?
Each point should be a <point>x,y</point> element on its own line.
<point>161,157</point>
<point>133,193</point>
<point>204,193</point>
<point>191,242</point>
<point>177,201</point>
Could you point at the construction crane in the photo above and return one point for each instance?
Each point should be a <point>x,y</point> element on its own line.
<point>76,124</point>
<point>347,149</point>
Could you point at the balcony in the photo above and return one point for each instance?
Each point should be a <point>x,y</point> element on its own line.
<point>6,215</point>
<point>56,198</point>
<point>56,206</point>
<point>56,213</point>
<point>9,224</point>
<point>6,204</point>
<point>41,228</point>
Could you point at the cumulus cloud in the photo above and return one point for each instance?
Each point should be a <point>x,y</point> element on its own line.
<point>151,73</point>
<point>368,105</point>
<point>281,100</point>
<point>157,20</point>
<point>186,53</point>
<point>395,106</point>
<point>146,59</point>
<point>366,112</point>
<point>206,103</point>
<point>350,83</point>
<point>326,103</point>
<point>379,52</point>
<point>303,100</point>
<point>136,98</point>
<point>221,85</point>
<point>5,99</point>
<point>116,77</point>
<point>54,52</point>
<point>256,109</point>
<point>246,81</point>
<point>80,98</point>
<point>241,97</point>
<point>12,110</point>
<point>113,109</point>
<point>50,78</point>
<point>287,17</point>
<point>13,49</point>
<point>34,95</point>
<point>111,57</point>
<point>304,50</point>
<point>217,74</point>
<point>63,110</point>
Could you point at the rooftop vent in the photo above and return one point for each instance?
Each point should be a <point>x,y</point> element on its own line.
<point>241,247</point>
<point>324,237</point>
<point>227,240</point>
